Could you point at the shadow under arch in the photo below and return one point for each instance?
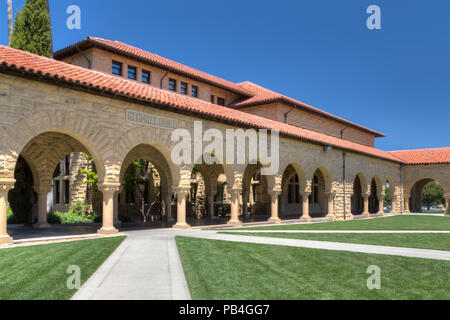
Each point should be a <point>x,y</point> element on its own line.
<point>359,190</point>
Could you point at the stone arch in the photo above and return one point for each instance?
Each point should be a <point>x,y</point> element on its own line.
<point>416,193</point>
<point>94,139</point>
<point>376,191</point>
<point>168,174</point>
<point>293,184</point>
<point>321,192</point>
<point>256,188</point>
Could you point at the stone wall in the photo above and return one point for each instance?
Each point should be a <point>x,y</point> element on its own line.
<point>44,123</point>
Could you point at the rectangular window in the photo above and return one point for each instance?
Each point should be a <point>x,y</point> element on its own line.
<point>146,76</point>
<point>117,68</point>
<point>194,91</point>
<point>67,165</point>
<point>184,88</point>
<point>212,99</point>
<point>132,73</point>
<point>57,192</point>
<point>67,191</point>
<point>173,85</point>
<point>220,101</point>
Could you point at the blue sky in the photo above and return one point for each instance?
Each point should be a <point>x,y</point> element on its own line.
<point>395,80</point>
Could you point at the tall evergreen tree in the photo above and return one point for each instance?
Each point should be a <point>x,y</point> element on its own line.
<point>32,30</point>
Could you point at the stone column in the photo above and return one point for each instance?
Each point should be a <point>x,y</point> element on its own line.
<point>381,204</point>
<point>330,209</point>
<point>305,206</point>
<point>394,205</point>
<point>366,212</point>
<point>211,205</point>
<point>274,207</point>
<point>447,205</point>
<point>5,186</point>
<point>42,191</point>
<point>116,208</point>
<point>109,198</point>
<point>406,204</point>
<point>235,207</point>
<point>181,192</point>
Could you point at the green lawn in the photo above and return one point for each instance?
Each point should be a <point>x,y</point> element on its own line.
<point>417,240</point>
<point>405,222</point>
<point>39,272</point>
<point>228,270</point>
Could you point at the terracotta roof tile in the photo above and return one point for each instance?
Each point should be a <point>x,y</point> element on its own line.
<point>423,156</point>
<point>27,64</point>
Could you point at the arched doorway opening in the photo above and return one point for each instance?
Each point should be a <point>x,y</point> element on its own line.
<point>357,198</point>
<point>43,155</point>
<point>146,193</point>
<point>256,199</point>
<point>373,198</point>
<point>427,195</point>
<point>320,193</point>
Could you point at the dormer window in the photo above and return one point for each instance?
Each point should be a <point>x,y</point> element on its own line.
<point>132,73</point>
<point>184,88</point>
<point>220,101</point>
<point>172,85</point>
<point>117,68</point>
<point>194,91</point>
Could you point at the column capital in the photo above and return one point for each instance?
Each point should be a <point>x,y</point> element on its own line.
<point>305,193</point>
<point>181,190</point>
<point>109,187</point>
<point>274,193</point>
<point>234,191</point>
<point>6,184</point>
<point>43,187</point>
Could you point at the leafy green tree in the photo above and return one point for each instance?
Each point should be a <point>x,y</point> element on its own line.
<point>32,30</point>
<point>433,195</point>
<point>387,197</point>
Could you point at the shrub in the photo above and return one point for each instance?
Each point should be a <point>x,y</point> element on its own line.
<point>79,208</point>
<point>70,218</point>
<point>10,217</point>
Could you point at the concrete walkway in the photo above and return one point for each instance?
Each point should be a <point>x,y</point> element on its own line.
<point>146,266</point>
<point>338,246</point>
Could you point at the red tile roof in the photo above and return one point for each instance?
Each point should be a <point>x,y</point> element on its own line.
<point>266,96</point>
<point>25,64</point>
<point>151,58</point>
<point>253,94</point>
<point>423,156</point>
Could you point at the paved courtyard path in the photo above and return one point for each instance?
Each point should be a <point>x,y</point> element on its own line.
<point>146,266</point>
<point>327,245</point>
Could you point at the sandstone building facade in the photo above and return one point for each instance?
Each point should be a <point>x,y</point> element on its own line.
<point>118,104</point>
